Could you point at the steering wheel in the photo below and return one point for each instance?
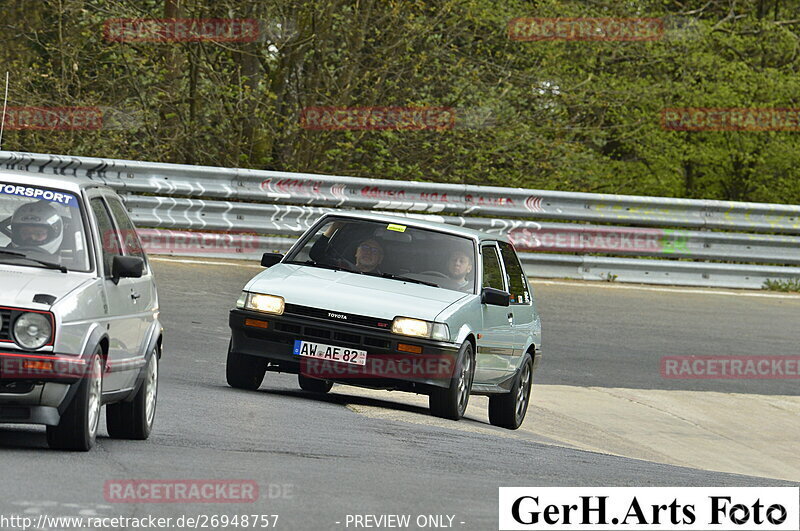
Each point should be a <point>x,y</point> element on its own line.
<point>433,273</point>
<point>337,255</point>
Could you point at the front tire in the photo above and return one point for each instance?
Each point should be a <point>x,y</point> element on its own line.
<point>451,403</point>
<point>312,385</point>
<point>134,419</point>
<point>245,372</point>
<point>508,410</point>
<point>77,429</point>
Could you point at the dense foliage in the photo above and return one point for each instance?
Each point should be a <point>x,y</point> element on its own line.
<point>567,115</point>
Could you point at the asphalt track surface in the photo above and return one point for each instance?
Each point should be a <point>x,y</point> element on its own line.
<point>337,462</point>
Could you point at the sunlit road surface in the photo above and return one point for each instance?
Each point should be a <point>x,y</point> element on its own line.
<point>602,415</point>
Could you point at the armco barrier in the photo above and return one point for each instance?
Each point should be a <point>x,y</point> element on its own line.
<point>266,203</point>
<point>185,213</point>
<point>333,191</point>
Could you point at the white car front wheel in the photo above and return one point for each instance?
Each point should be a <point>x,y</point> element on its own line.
<point>77,429</point>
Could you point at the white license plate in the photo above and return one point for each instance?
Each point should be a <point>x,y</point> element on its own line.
<point>330,352</point>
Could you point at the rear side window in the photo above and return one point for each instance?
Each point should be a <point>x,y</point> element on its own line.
<point>130,239</point>
<point>515,276</point>
<point>109,239</point>
<point>492,273</point>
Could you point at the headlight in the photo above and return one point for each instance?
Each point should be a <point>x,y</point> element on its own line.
<point>419,328</point>
<point>32,330</point>
<point>263,303</point>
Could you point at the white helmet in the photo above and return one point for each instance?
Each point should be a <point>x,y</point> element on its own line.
<point>40,215</point>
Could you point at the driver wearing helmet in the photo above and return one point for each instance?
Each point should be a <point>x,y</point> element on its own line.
<point>37,227</point>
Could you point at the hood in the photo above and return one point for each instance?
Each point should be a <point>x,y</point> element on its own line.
<point>353,293</point>
<point>19,285</point>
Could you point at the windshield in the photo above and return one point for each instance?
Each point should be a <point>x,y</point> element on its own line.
<point>393,251</point>
<point>41,227</point>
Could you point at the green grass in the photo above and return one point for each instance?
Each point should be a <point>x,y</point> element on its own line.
<point>792,284</point>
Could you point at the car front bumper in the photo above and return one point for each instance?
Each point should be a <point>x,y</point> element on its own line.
<point>36,388</point>
<point>386,367</point>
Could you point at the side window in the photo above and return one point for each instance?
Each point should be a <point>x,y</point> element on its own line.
<point>109,239</point>
<point>515,275</point>
<point>492,273</point>
<point>130,240</point>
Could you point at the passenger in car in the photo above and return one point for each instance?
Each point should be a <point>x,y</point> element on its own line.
<point>459,270</point>
<point>369,255</point>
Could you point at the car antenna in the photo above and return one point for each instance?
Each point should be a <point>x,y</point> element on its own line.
<point>3,121</point>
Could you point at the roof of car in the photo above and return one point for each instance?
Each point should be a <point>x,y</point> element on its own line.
<point>423,222</point>
<point>67,183</point>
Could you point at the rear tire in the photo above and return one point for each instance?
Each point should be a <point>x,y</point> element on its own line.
<point>508,410</point>
<point>451,403</point>
<point>77,429</point>
<point>312,385</point>
<point>245,372</point>
<point>134,419</point>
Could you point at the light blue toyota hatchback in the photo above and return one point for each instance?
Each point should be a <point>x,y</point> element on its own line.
<point>393,303</point>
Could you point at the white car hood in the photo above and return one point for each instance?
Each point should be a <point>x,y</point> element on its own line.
<point>352,293</point>
<point>18,285</point>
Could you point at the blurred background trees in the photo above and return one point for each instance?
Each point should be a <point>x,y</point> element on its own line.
<point>577,116</point>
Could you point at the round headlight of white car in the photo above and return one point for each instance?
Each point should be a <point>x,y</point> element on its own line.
<point>32,330</point>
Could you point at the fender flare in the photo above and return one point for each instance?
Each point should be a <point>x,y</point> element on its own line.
<point>94,338</point>
<point>156,334</point>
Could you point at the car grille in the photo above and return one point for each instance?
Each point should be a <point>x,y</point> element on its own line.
<point>5,333</point>
<point>319,313</point>
<point>288,332</point>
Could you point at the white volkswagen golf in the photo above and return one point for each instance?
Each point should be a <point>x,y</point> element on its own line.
<point>79,324</point>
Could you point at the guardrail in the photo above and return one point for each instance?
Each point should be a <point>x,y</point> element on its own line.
<point>278,203</point>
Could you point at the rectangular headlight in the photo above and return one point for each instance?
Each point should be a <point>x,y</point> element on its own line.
<point>418,328</point>
<point>264,303</point>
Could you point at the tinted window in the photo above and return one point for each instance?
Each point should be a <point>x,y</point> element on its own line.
<point>514,275</point>
<point>492,273</point>
<point>130,240</point>
<point>109,239</point>
<point>391,250</point>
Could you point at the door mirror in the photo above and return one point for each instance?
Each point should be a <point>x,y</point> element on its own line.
<point>126,267</point>
<point>495,297</point>
<point>270,259</point>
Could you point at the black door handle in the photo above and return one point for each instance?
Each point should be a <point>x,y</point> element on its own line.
<point>134,295</point>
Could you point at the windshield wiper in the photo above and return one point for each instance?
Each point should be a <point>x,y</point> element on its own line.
<point>45,263</point>
<point>312,263</point>
<point>406,279</point>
